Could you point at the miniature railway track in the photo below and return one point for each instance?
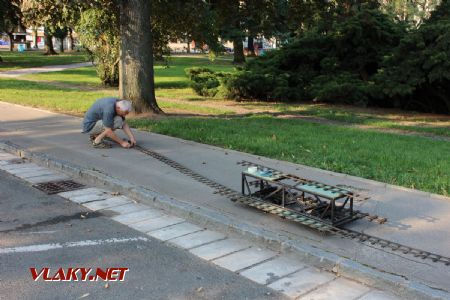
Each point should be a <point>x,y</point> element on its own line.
<point>296,216</point>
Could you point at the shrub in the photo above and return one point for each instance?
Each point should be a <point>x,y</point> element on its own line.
<point>205,82</point>
<point>336,66</point>
<point>417,74</point>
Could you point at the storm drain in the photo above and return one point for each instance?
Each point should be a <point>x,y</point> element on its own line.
<point>54,187</point>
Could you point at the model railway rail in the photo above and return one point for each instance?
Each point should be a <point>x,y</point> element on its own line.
<point>298,216</point>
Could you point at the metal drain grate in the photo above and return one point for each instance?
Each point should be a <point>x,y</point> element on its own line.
<point>54,187</point>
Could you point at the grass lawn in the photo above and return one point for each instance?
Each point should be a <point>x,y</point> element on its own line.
<point>413,162</point>
<point>48,96</point>
<point>75,101</point>
<point>29,59</point>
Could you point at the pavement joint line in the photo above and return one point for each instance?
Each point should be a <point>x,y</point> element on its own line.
<point>287,275</point>
<point>185,221</point>
<point>314,289</point>
<point>117,209</point>
<point>173,225</point>
<point>218,257</point>
<point>207,243</point>
<point>213,240</point>
<point>119,218</point>
<point>155,222</point>
<point>107,181</point>
<point>276,273</point>
<point>296,289</point>
<point>239,264</point>
<point>119,200</point>
<point>46,247</point>
<point>256,264</point>
<point>79,192</point>
<point>337,286</point>
<point>97,201</point>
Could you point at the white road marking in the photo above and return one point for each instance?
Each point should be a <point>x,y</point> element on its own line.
<point>46,247</point>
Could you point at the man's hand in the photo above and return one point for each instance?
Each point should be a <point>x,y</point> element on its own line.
<point>125,144</point>
<point>130,135</point>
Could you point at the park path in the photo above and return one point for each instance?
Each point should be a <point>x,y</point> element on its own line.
<point>415,218</point>
<point>27,71</point>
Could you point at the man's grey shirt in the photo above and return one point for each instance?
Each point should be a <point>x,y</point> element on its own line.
<point>103,109</point>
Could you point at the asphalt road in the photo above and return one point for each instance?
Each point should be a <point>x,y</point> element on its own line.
<point>70,237</point>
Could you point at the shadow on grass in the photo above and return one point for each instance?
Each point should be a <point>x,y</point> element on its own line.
<point>171,84</point>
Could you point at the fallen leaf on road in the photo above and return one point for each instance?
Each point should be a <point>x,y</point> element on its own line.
<point>115,193</point>
<point>335,269</point>
<point>200,289</point>
<point>106,285</point>
<point>84,296</point>
<point>83,216</point>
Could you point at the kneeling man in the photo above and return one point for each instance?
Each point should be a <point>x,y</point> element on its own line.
<point>103,118</point>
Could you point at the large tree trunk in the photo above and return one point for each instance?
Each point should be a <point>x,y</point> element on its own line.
<point>11,42</point>
<point>250,46</point>
<point>61,45</point>
<point>238,46</point>
<point>72,46</point>
<point>35,38</point>
<point>136,81</point>
<point>48,40</point>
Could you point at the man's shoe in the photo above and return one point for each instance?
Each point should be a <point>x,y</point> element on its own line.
<point>101,145</point>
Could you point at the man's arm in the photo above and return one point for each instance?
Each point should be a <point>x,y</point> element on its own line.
<point>129,133</point>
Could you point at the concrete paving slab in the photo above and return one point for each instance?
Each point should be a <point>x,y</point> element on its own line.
<point>272,270</point>
<point>36,173</point>
<point>91,197</point>
<point>81,192</point>
<point>20,171</point>
<point>340,288</point>
<point>107,203</point>
<point>46,178</point>
<point>139,216</point>
<point>378,295</point>
<point>156,223</point>
<point>301,282</point>
<point>220,248</point>
<point>12,167</point>
<point>127,208</point>
<point>244,259</point>
<point>197,239</point>
<point>174,231</point>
